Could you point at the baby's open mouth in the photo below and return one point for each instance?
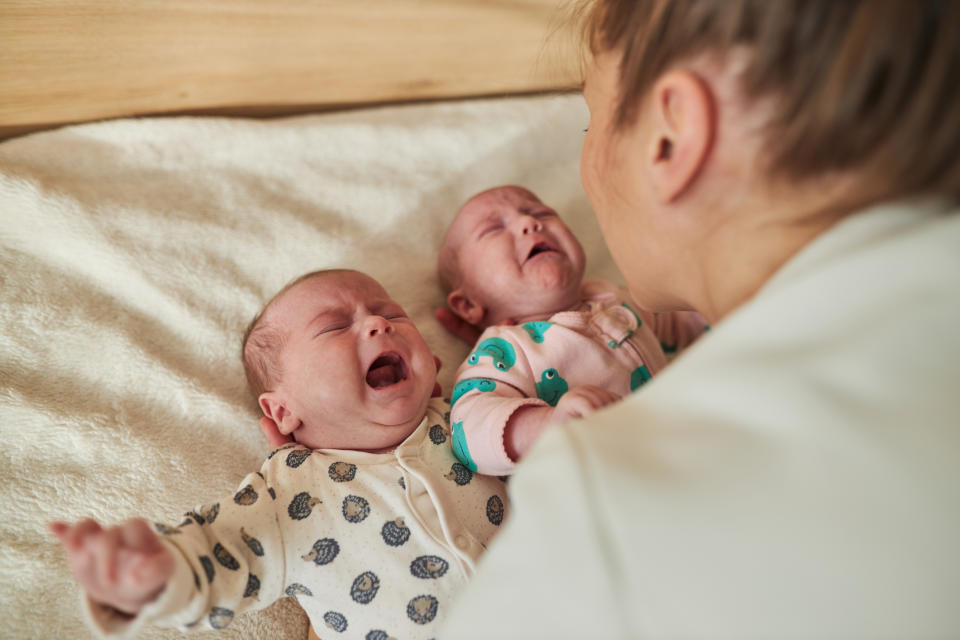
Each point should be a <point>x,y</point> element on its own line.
<point>388,369</point>
<point>537,249</point>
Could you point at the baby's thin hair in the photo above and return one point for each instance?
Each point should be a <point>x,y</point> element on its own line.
<point>261,344</point>
<point>263,341</point>
<point>448,268</point>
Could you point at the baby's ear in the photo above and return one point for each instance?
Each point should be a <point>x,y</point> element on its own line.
<point>275,408</point>
<point>464,307</point>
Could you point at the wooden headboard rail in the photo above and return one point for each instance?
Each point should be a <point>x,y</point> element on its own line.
<point>65,61</point>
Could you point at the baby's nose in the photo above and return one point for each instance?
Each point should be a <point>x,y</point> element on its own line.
<point>530,225</point>
<point>378,324</point>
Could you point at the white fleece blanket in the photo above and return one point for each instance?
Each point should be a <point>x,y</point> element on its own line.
<point>134,252</point>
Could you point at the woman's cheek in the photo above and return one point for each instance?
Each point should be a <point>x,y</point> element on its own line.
<point>597,177</point>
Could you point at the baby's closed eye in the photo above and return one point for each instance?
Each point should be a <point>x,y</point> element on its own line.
<point>332,325</point>
<point>491,228</point>
<point>333,328</point>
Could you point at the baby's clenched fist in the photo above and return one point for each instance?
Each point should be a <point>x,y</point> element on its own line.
<point>125,566</point>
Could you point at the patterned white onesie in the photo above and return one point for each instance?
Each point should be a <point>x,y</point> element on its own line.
<point>371,545</point>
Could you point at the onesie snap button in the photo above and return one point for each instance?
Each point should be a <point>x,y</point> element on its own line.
<point>461,542</point>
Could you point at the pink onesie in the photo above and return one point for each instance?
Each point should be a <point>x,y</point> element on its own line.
<point>609,343</point>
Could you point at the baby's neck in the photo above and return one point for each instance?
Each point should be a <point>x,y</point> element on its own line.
<point>389,449</point>
<point>542,315</point>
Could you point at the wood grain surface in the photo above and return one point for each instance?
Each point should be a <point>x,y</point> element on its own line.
<point>64,61</point>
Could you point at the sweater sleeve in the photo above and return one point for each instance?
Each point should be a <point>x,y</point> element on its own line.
<point>492,384</point>
<point>228,559</point>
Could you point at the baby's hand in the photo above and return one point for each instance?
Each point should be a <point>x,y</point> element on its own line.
<point>124,566</point>
<point>582,401</point>
<point>527,423</point>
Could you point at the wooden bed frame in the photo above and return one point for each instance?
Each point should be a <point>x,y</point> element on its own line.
<point>66,61</point>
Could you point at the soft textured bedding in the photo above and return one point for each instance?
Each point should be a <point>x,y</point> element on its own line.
<point>134,252</point>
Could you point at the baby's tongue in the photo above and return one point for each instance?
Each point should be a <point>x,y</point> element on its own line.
<point>381,376</point>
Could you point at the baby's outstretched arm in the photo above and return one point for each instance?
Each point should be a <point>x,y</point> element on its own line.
<point>527,423</point>
<point>123,566</point>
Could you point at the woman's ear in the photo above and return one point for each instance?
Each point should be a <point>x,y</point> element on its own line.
<point>275,408</point>
<point>683,129</point>
<point>461,304</point>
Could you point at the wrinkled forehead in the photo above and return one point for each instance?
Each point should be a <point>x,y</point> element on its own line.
<point>499,197</point>
<point>328,292</point>
<point>484,204</point>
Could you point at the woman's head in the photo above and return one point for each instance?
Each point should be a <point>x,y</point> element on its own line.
<point>863,85</point>
<point>712,116</point>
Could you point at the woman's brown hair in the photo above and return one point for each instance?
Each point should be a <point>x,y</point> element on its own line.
<point>869,86</point>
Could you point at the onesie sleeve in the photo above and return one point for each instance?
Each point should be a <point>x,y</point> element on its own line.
<point>228,559</point>
<point>492,384</point>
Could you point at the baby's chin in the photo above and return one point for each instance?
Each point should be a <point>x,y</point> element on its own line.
<point>391,424</point>
<point>552,297</point>
<point>557,276</point>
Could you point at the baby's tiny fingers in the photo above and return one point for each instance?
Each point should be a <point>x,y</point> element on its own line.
<point>600,397</point>
<point>76,535</point>
<point>104,548</point>
<point>58,529</point>
<point>608,397</point>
